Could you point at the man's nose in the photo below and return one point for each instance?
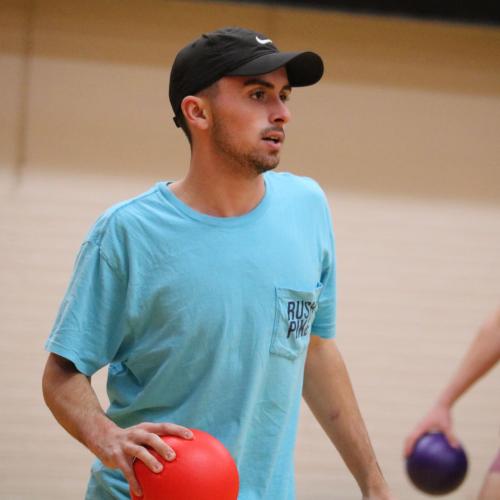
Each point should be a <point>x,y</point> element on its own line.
<point>280,113</point>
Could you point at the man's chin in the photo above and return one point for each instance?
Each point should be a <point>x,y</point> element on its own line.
<point>261,169</point>
<point>265,166</point>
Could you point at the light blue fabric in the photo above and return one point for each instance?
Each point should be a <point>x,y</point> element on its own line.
<point>205,321</point>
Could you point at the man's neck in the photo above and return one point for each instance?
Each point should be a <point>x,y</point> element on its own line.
<point>219,190</point>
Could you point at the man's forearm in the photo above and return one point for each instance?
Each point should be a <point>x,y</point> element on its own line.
<point>73,402</point>
<point>328,392</point>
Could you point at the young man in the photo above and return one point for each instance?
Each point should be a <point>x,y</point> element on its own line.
<point>482,355</point>
<point>212,299</point>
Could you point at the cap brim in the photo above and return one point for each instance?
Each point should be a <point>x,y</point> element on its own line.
<point>303,68</point>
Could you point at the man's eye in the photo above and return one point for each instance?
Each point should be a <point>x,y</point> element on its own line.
<point>285,97</point>
<point>258,95</point>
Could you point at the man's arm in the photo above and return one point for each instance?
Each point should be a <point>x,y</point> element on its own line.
<point>482,355</point>
<point>329,394</point>
<point>69,395</point>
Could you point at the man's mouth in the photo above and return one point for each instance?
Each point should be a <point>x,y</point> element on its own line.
<point>274,137</point>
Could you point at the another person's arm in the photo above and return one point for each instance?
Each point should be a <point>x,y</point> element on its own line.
<point>481,356</point>
<point>69,395</point>
<point>329,394</point>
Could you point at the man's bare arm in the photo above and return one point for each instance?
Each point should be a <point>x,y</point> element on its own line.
<point>71,398</point>
<point>329,394</point>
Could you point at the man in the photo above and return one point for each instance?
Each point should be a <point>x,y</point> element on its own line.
<point>482,355</point>
<point>212,299</point>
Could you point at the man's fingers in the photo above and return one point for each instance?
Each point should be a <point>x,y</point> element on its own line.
<point>149,460</point>
<point>142,436</point>
<point>166,429</point>
<point>135,444</point>
<point>138,442</point>
<point>153,441</point>
<point>166,451</point>
<point>409,444</point>
<point>452,439</point>
<point>412,439</point>
<point>128,472</point>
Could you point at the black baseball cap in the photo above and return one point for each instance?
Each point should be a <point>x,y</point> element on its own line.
<point>235,51</point>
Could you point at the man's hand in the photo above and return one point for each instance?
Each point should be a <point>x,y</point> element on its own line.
<point>439,420</point>
<point>117,448</point>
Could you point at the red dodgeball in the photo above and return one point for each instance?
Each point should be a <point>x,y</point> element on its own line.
<point>202,470</point>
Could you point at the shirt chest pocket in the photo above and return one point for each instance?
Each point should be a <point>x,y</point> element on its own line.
<point>294,315</point>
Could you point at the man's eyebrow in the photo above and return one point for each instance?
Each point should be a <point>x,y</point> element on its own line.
<point>264,83</point>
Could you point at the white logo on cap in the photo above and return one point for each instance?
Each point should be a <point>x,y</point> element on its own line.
<point>263,42</point>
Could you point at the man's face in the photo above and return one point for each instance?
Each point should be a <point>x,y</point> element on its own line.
<point>249,115</point>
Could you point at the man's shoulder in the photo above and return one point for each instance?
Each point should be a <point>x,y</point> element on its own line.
<point>133,206</point>
<point>298,186</point>
<point>291,180</point>
<point>123,215</point>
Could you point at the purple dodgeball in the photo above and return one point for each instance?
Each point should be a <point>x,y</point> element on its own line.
<point>434,466</point>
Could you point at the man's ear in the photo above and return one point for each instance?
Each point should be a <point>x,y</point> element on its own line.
<point>195,112</point>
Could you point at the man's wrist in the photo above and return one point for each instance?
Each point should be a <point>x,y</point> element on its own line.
<point>375,485</point>
<point>445,402</point>
<point>378,492</point>
<point>98,427</point>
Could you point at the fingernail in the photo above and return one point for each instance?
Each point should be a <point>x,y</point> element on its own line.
<point>188,434</point>
<point>170,456</point>
<point>158,468</point>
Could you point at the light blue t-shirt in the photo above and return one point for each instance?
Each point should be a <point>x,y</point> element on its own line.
<point>205,321</point>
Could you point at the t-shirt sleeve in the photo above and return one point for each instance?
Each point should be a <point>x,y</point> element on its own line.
<point>325,320</point>
<point>91,323</point>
